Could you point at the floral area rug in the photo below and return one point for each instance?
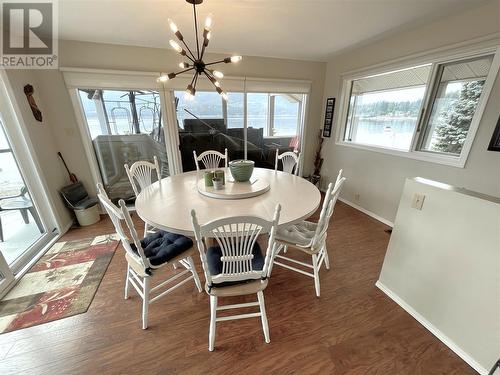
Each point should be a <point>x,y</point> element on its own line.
<point>61,284</point>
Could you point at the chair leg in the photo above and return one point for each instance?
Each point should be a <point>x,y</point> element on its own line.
<point>213,316</point>
<point>327,260</point>
<point>276,249</point>
<point>36,218</point>
<point>316,273</point>
<point>127,283</point>
<point>146,228</point>
<point>195,274</point>
<point>145,303</point>
<point>285,248</point>
<point>24,214</point>
<point>263,316</point>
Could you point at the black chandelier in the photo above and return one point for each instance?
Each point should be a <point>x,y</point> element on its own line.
<point>196,60</point>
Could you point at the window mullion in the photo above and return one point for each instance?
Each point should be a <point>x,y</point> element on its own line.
<point>224,110</point>
<point>430,95</point>
<point>270,116</point>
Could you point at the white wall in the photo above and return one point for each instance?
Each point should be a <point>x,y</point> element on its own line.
<point>378,178</point>
<point>442,267</point>
<point>42,137</point>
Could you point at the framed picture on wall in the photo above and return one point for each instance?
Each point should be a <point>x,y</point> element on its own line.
<point>327,126</point>
<point>495,138</point>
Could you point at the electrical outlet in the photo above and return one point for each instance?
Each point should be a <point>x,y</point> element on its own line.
<point>417,201</point>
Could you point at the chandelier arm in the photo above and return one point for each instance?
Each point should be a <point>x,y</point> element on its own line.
<point>189,57</point>
<point>196,31</point>
<point>211,79</point>
<point>192,81</point>
<point>184,71</point>
<point>189,50</point>
<point>215,62</point>
<point>196,80</point>
<point>209,74</point>
<point>203,46</point>
<point>202,51</point>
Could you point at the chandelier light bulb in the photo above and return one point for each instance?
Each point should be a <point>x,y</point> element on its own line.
<point>183,65</point>
<point>218,74</point>
<point>175,45</point>
<point>162,78</point>
<point>208,22</point>
<point>191,90</point>
<point>216,83</point>
<point>173,26</point>
<point>224,96</point>
<point>235,59</point>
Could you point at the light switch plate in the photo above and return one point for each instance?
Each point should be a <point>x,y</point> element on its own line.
<point>417,201</point>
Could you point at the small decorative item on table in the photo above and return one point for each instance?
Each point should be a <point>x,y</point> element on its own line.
<point>220,175</point>
<point>241,170</point>
<point>218,183</point>
<point>208,176</point>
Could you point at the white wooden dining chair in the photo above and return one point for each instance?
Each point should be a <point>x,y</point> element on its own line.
<point>141,174</point>
<point>290,161</point>
<point>235,266</point>
<point>211,159</point>
<point>141,270</point>
<point>309,238</point>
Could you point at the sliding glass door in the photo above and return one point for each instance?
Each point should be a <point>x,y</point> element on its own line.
<point>124,126</point>
<point>26,223</point>
<point>6,275</point>
<point>20,224</point>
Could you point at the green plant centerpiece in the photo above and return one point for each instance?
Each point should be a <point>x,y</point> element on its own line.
<point>241,170</point>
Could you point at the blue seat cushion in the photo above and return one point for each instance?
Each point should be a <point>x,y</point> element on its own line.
<point>214,254</point>
<point>162,246</point>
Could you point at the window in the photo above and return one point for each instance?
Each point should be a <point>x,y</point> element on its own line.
<point>424,111</point>
<point>206,122</point>
<point>454,104</point>
<point>235,110</point>
<point>258,111</point>
<point>384,109</point>
<point>125,126</point>
<point>205,105</point>
<point>286,114</point>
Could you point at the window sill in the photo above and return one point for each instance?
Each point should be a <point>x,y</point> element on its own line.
<point>452,161</point>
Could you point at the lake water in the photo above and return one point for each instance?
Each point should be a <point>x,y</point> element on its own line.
<point>386,132</point>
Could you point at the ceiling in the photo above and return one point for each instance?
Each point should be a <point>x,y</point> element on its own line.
<point>295,29</point>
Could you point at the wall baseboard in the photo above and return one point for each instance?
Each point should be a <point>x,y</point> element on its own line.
<point>365,211</point>
<point>431,328</point>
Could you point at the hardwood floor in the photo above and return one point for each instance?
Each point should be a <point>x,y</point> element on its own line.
<point>352,329</point>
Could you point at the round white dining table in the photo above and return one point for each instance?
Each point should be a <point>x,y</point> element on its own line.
<point>167,204</point>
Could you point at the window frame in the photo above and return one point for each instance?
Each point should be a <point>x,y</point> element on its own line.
<point>436,60</point>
